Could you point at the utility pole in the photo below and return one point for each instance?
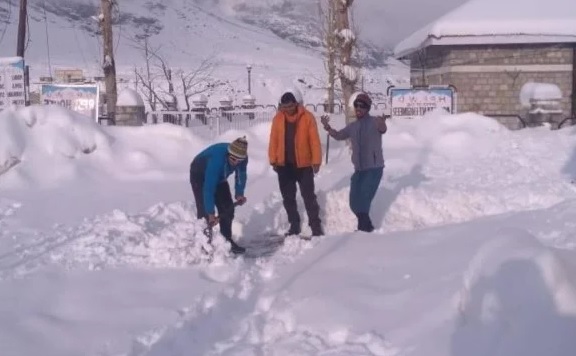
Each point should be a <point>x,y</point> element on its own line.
<point>249,69</point>
<point>21,47</point>
<point>108,63</point>
<point>22,29</point>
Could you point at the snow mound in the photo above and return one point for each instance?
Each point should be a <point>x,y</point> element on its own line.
<point>132,155</point>
<point>457,136</point>
<point>518,299</point>
<point>162,236</point>
<point>48,145</point>
<point>165,235</point>
<point>39,133</point>
<point>539,91</point>
<point>129,97</point>
<point>452,168</point>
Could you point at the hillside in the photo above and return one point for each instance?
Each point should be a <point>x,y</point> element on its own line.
<point>184,26</point>
<point>281,46</point>
<point>380,24</point>
<point>186,31</point>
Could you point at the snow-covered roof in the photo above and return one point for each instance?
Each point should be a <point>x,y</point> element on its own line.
<point>10,60</point>
<point>129,97</point>
<point>498,22</point>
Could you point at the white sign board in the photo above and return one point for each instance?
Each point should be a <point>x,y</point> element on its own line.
<point>411,103</point>
<point>12,83</point>
<point>83,99</point>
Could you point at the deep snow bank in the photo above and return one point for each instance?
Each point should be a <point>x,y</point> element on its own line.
<point>163,236</point>
<point>42,138</point>
<point>443,169</point>
<point>48,146</point>
<point>440,169</point>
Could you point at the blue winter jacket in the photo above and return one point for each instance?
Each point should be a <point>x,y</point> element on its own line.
<point>218,169</point>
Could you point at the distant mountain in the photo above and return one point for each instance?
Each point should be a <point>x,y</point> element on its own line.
<point>294,21</point>
<point>278,38</point>
<point>298,21</point>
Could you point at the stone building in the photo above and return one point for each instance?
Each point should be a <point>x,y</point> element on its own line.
<point>488,55</point>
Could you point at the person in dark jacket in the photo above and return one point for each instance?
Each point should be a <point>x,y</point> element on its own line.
<point>365,135</point>
<point>295,153</point>
<point>209,172</point>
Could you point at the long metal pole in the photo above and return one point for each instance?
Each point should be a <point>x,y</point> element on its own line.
<point>249,82</point>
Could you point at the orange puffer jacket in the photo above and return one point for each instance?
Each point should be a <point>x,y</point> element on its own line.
<point>307,140</point>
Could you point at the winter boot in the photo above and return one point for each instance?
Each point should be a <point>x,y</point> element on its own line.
<point>364,222</point>
<point>294,230</point>
<point>235,248</point>
<point>317,230</point>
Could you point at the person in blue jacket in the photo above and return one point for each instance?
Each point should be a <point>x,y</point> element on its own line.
<point>209,172</point>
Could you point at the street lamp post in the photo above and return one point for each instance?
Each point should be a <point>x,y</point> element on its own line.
<point>249,68</point>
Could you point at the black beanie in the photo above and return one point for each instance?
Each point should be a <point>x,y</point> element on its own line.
<point>288,98</point>
<point>364,98</point>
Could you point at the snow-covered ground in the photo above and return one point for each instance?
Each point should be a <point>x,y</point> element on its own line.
<point>100,247</point>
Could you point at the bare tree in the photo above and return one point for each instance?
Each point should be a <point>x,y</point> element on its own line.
<point>170,101</point>
<point>145,77</point>
<point>198,81</point>
<point>159,80</point>
<point>148,78</point>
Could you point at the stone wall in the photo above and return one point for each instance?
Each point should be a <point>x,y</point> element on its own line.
<point>486,78</point>
<point>519,54</point>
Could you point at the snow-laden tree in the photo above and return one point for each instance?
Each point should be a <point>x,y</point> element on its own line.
<point>327,11</point>
<point>346,44</point>
<point>339,47</point>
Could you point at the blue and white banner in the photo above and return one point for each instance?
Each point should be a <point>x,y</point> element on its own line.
<point>416,102</point>
<point>81,98</point>
<point>12,82</point>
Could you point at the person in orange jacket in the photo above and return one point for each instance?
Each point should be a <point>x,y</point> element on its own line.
<point>295,153</point>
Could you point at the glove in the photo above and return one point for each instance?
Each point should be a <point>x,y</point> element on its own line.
<point>240,200</point>
<point>324,119</point>
<point>316,168</point>
<point>275,168</point>
<point>212,220</point>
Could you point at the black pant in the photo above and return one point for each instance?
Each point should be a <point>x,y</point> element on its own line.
<point>223,200</point>
<point>288,176</point>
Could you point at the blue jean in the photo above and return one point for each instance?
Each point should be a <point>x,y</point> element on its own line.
<point>363,187</point>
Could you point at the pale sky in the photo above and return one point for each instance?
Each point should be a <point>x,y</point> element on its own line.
<point>397,19</point>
